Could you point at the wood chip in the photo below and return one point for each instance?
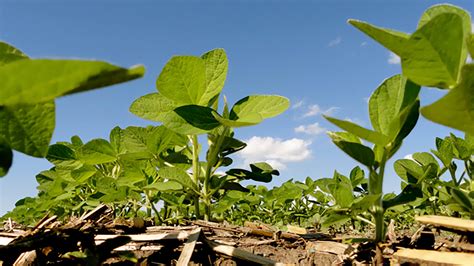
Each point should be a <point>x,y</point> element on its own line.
<point>447,223</point>
<point>188,248</point>
<point>328,247</point>
<point>431,257</point>
<point>296,229</point>
<point>239,253</point>
<point>149,237</point>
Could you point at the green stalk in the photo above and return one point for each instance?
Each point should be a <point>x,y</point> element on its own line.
<point>375,188</point>
<point>195,143</point>
<point>211,161</point>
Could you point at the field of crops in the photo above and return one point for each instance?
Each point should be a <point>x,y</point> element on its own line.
<point>176,176</point>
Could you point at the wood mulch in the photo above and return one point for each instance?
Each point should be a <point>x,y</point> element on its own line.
<point>102,240</point>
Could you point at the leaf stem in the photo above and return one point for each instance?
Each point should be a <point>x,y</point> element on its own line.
<point>195,144</point>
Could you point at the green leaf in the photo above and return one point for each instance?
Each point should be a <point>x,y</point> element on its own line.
<point>408,170</point>
<point>164,186</point>
<point>357,176</point>
<point>8,54</point>
<point>437,51</point>
<point>436,10</point>
<point>424,158</point>
<point>153,106</point>
<point>116,137</point>
<point>40,80</point>
<point>462,198</point>
<point>394,94</point>
<point>183,80</point>
<point>455,109</point>
<point>216,65</point>
<point>266,106</point>
<point>28,128</point>
<point>178,175</point>
<point>261,172</point>
<point>83,174</point>
<point>198,116</point>
<point>60,152</point>
<point>390,39</point>
<point>355,150</point>
<point>361,132</point>
<point>404,122</point>
<point>342,193</point>
<point>470,44</point>
<point>98,151</point>
<point>6,158</point>
<point>250,120</point>
<point>161,138</point>
<point>408,194</point>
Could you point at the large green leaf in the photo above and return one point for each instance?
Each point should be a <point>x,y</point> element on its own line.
<point>342,193</point>
<point>6,158</point>
<point>198,116</point>
<point>355,150</point>
<point>470,45</point>
<point>266,106</point>
<point>404,122</point>
<point>436,52</point>
<point>116,137</point>
<point>98,151</point>
<point>59,152</point>
<point>183,80</point>
<point>165,186</point>
<point>408,194</point>
<point>388,100</point>
<point>153,106</point>
<point>40,80</point>
<point>28,128</point>
<point>393,40</point>
<point>408,170</point>
<point>462,198</point>
<point>455,109</point>
<point>361,132</point>
<point>433,54</point>
<point>9,53</point>
<point>216,64</point>
<point>178,175</point>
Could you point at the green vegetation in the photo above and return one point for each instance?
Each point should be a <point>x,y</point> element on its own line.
<point>29,87</point>
<point>156,171</point>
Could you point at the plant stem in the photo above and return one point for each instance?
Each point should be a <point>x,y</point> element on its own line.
<point>195,143</point>
<point>375,188</point>
<point>212,160</point>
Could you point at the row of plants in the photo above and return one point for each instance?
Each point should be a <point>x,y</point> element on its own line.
<point>162,171</point>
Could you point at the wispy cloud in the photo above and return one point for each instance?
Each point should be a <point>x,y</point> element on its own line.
<point>311,129</point>
<point>393,59</point>
<point>277,152</point>
<point>298,104</point>
<point>363,44</point>
<point>330,110</point>
<point>313,110</point>
<point>335,42</point>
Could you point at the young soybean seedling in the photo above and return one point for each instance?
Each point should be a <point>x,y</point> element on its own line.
<point>435,55</point>
<point>187,102</point>
<point>393,111</point>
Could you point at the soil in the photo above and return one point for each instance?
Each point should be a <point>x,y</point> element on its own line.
<point>207,243</point>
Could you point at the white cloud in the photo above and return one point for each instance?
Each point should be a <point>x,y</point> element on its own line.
<point>275,151</point>
<point>298,104</point>
<point>393,59</point>
<point>335,42</point>
<point>363,44</point>
<point>311,129</point>
<point>469,59</point>
<point>313,110</point>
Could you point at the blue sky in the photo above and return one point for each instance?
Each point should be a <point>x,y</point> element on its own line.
<point>303,50</point>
